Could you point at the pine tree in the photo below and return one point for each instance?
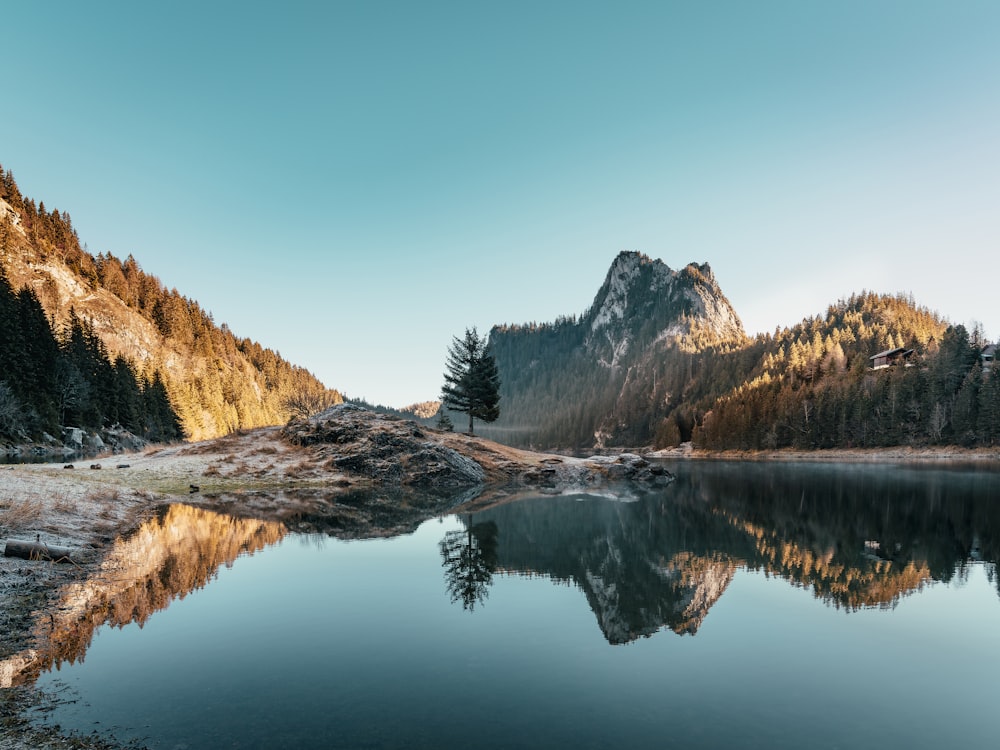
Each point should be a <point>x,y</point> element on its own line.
<point>472,383</point>
<point>444,422</point>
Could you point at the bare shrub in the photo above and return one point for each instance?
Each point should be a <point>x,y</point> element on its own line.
<point>304,404</point>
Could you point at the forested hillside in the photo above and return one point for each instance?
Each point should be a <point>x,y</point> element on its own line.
<point>813,386</point>
<point>216,382</point>
<point>658,360</point>
<point>46,382</point>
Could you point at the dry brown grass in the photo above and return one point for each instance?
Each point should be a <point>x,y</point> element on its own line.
<point>241,469</point>
<point>300,470</point>
<point>227,442</point>
<point>65,504</point>
<point>20,514</point>
<point>212,471</point>
<point>264,470</point>
<point>104,496</point>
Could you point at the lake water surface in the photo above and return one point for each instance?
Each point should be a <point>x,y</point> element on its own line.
<point>745,605</point>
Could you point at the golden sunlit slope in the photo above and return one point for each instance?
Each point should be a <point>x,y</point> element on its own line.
<point>216,381</point>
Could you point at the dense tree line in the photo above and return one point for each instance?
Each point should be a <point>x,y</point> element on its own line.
<point>809,386</point>
<point>217,382</point>
<point>49,379</point>
<point>559,389</point>
<point>814,387</point>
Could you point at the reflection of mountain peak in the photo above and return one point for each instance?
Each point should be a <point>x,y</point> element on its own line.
<point>702,580</point>
<point>607,549</point>
<point>681,604</point>
<point>665,560</point>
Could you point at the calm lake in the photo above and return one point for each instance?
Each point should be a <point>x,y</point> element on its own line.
<point>744,605</point>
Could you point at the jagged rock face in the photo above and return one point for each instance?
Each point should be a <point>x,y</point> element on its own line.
<point>585,382</point>
<point>7,211</point>
<point>642,297</point>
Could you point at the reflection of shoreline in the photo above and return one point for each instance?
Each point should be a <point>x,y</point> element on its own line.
<point>179,550</point>
<point>946,456</point>
<point>856,539</point>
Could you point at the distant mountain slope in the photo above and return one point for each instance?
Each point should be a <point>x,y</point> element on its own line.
<point>817,385</point>
<point>217,382</point>
<point>660,358</point>
<point>609,376</point>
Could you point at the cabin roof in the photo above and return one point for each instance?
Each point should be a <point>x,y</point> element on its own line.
<point>890,352</point>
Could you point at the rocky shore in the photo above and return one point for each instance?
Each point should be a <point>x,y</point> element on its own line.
<point>75,442</point>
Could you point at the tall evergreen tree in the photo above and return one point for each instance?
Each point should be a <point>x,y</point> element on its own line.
<point>472,383</point>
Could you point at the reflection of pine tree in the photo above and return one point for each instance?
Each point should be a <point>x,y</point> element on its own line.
<point>469,559</point>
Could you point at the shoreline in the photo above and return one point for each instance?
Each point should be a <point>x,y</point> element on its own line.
<point>895,454</point>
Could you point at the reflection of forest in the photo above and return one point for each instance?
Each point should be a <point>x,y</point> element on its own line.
<point>183,546</point>
<point>858,537</point>
<point>178,551</point>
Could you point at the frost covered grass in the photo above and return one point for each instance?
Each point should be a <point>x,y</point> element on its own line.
<point>20,514</point>
<point>64,504</point>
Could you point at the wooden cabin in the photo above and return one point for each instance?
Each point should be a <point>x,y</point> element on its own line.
<point>890,357</point>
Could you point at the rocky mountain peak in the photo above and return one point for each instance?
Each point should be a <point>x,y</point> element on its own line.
<point>640,293</point>
<point>632,275</point>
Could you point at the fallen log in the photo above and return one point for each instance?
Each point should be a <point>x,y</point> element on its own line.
<point>37,551</point>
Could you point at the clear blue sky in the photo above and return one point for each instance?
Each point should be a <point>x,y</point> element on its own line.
<point>352,184</point>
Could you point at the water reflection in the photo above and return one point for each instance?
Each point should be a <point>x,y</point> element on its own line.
<point>177,551</point>
<point>183,546</point>
<point>857,537</point>
<point>469,559</point>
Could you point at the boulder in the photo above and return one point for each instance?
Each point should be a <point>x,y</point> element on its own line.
<point>121,440</point>
<point>73,437</point>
